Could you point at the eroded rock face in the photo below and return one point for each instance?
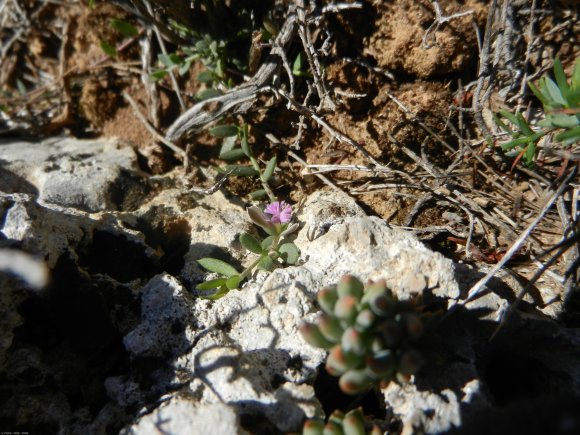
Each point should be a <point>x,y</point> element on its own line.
<point>120,327</point>
<point>90,175</point>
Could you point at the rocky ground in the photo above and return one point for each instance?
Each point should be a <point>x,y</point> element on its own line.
<point>395,171</point>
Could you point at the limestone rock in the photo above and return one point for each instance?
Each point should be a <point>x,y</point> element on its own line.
<point>181,415</point>
<point>90,175</point>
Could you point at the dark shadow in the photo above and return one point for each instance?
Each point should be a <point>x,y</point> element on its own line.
<point>67,346</point>
<point>531,361</point>
<point>117,256</point>
<point>12,183</point>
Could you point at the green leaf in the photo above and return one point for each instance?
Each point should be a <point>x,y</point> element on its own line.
<point>235,154</point>
<point>21,87</point>
<point>157,75</point>
<point>502,124</point>
<point>554,93</point>
<point>297,65</point>
<point>205,77</point>
<point>108,49</point>
<point>184,68</point>
<point>539,94</point>
<point>529,153</point>
<point>266,263</point>
<point>561,79</point>
<point>289,253</point>
<point>576,76</point>
<point>250,243</point>
<point>561,121</point>
<point>239,170</point>
<point>223,290</point>
<point>257,194</point>
<point>201,46</point>
<point>270,167</point>
<point>267,242</point>
<point>569,137</point>
<point>523,140</point>
<point>206,94</point>
<point>233,282</point>
<point>244,141</point>
<point>217,266</point>
<point>125,28</point>
<point>510,117</point>
<point>228,144</point>
<point>224,131</point>
<point>523,125</point>
<point>513,143</point>
<point>170,60</point>
<point>211,284</point>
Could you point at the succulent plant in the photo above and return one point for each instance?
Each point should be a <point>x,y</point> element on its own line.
<point>351,423</point>
<point>369,333</point>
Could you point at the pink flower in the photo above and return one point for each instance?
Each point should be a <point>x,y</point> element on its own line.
<point>281,212</point>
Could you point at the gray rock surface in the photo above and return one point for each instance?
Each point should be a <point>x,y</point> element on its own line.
<point>183,416</point>
<point>197,366</point>
<point>84,174</point>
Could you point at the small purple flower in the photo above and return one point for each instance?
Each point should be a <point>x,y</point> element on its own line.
<point>281,212</point>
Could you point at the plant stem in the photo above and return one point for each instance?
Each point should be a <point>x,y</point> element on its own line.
<point>273,248</point>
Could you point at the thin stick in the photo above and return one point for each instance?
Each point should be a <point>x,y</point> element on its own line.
<point>333,132</point>
<point>151,129</point>
<point>484,72</point>
<point>164,50</point>
<point>316,69</point>
<point>273,139</point>
<point>440,19</point>
<point>480,285</point>
<point>526,288</point>
<point>414,118</point>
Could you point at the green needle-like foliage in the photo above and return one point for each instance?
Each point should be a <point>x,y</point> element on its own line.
<point>561,102</point>
<point>369,332</point>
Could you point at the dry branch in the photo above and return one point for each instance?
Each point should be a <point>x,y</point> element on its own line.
<point>238,99</point>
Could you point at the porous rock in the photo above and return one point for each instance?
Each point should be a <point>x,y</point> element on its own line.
<point>245,349</point>
<point>84,174</point>
<point>241,358</point>
<point>181,415</point>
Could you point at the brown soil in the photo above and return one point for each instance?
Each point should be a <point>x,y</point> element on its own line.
<point>396,76</point>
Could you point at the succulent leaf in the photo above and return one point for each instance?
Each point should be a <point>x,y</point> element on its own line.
<point>369,334</point>
<point>365,319</point>
<point>313,427</point>
<point>413,325</point>
<point>327,298</point>
<point>354,423</point>
<point>391,333</point>
<point>350,286</point>
<point>339,362</point>
<point>332,428</point>
<point>355,381</point>
<point>410,362</point>
<point>330,327</point>
<point>346,309</point>
<point>313,336</point>
<point>337,416</point>
<point>382,364</point>
<point>354,341</point>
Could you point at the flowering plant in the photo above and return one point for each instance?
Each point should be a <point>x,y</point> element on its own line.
<point>272,251</point>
